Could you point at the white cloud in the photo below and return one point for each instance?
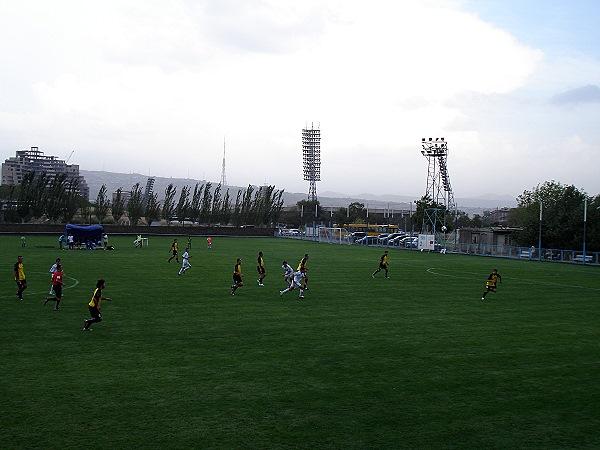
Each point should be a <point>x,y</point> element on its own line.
<point>151,85</point>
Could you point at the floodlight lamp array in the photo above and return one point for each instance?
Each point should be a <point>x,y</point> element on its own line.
<point>434,147</point>
<point>311,152</point>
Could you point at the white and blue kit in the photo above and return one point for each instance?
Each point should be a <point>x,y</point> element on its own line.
<point>288,273</point>
<point>185,263</point>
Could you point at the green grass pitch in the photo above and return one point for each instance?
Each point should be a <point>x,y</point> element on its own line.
<point>414,361</point>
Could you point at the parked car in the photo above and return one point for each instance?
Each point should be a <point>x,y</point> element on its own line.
<point>367,240</point>
<point>386,240</point>
<point>404,240</point>
<point>381,237</point>
<point>396,241</point>
<point>352,237</point>
<point>412,243</point>
<point>294,232</point>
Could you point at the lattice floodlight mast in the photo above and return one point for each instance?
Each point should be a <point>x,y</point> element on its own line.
<point>311,156</point>
<point>438,189</point>
<point>149,191</point>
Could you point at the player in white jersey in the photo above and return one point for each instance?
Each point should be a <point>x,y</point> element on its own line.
<point>185,263</point>
<point>297,282</point>
<point>51,271</point>
<point>288,272</point>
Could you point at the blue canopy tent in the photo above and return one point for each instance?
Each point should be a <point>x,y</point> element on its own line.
<point>85,233</point>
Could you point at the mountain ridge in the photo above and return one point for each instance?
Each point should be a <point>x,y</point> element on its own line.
<point>115,180</point>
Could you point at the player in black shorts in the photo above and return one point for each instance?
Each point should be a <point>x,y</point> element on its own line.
<point>20,277</point>
<point>383,264</point>
<point>94,305</point>
<point>491,283</point>
<point>237,276</point>
<point>260,268</point>
<point>174,251</point>
<point>57,287</point>
<point>302,267</point>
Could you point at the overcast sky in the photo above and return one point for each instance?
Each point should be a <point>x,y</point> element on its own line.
<point>154,86</point>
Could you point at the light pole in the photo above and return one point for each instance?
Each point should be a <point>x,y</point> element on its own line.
<point>584,226</point>
<point>540,234</point>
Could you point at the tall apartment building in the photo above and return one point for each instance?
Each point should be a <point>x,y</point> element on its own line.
<point>125,196</point>
<point>34,160</point>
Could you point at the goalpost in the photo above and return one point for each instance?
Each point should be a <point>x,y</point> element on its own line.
<point>333,235</point>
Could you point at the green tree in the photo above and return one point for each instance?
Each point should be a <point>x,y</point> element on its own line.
<point>477,221</point>
<point>71,200</point>
<point>562,216</point>
<point>55,197</point>
<point>153,208</point>
<point>593,224</point>
<point>236,217</point>
<point>215,211</point>
<point>340,218</point>
<point>261,205</point>
<point>196,202</point>
<point>25,199</point>
<point>135,205</point>
<point>246,206</point>
<point>183,205</point>
<point>226,209</point>
<point>169,203</point>
<point>423,218</point>
<point>9,195</point>
<point>118,206</point>
<point>85,209</point>
<point>102,204</point>
<point>357,212</point>
<point>275,207</point>
<point>38,194</point>
<point>206,204</point>
<point>463,220</point>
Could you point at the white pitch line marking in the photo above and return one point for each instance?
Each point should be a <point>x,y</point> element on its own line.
<point>432,270</point>
<point>29,294</point>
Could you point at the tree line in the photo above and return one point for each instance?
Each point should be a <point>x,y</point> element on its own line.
<point>203,204</point>
<point>562,217</point>
<point>39,194</point>
<point>57,199</point>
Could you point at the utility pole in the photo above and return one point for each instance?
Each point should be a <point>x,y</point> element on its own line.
<point>540,234</point>
<point>584,225</point>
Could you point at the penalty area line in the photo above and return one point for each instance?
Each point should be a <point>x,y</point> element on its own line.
<point>29,294</point>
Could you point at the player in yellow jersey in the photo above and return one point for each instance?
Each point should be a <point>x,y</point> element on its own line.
<point>237,276</point>
<point>260,268</point>
<point>94,305</point>
<point>491,283</point>
<point>174,251</point>
<point>302,267</point>
<point>384,263</point>
<point>20,277</point>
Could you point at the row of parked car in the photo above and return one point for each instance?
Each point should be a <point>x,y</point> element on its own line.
<point>290,232</point>
<point>388,239</point>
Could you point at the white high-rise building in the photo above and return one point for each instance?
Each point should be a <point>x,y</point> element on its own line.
<point>34,160</point>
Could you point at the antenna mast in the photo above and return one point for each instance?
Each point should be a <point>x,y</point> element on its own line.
<point>223,176</point>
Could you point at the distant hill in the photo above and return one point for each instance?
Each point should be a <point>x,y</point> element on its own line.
<point>114,181</point>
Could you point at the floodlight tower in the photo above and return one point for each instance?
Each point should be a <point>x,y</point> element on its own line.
<point>149,191</point>
<point>311,155</point>
<point>438,189</point>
